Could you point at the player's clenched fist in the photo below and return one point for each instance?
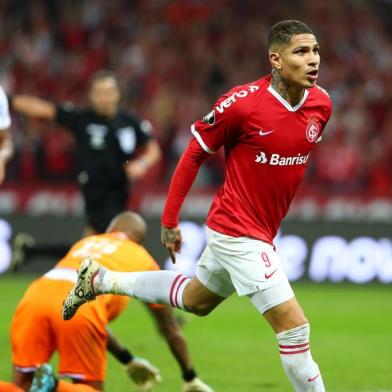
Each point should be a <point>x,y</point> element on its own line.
<point>143,374</point>
<point>196,385</point>
<point>171,239</point>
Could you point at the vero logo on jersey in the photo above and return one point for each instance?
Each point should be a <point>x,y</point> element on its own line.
<point>233,98</point>
<point>279,160</point>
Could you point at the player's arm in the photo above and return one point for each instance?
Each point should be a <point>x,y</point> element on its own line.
<point>6,151</point>
<point>120,352</point>
<point>149,156</point>
<point>141,371</point>
<point>33,107</point>
<point>219,127</point>
<point>170,329</point>
<point>182,180</point>
<point>148,150</point>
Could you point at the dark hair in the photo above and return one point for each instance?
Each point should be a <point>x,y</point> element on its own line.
<point>103,74</point>
<point>282,32</point>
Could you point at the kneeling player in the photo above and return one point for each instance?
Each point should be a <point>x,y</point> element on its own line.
<point>37,329</point>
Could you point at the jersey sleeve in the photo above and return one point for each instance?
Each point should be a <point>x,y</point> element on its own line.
<point>181,182</point>
<point>5,119</point>
<point>68,116</point>
<point>327,111</point>
<point>221,125</point>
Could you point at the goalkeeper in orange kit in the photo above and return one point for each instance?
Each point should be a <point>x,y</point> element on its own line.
<point>37,329</point>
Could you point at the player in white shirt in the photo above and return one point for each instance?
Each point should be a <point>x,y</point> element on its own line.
<point>6,145</point>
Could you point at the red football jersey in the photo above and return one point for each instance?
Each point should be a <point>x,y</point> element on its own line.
<point>267,145</point>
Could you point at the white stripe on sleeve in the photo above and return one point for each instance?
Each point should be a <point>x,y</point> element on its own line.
<point>200,140</point>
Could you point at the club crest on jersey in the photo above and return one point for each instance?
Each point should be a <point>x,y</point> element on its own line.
<point>312,130</point>
<point>209,118</point>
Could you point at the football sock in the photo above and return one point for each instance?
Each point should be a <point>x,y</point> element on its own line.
<point>63,386</point>
<point>9,387</point>
<point>297,360</point>
<point>163,287</point>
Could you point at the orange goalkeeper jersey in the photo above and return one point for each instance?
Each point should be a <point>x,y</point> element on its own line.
<point>116,252</point>
<point>37,329</point>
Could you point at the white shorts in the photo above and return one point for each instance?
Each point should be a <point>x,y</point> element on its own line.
<point>244,265</point>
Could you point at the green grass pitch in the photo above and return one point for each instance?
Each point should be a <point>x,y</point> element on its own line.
<point>234,350</point>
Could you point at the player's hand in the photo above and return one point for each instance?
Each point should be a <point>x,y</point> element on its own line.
<point>143,374</point>
<point>136,169</point>
<point>196,385</point>
<point>171,239</point>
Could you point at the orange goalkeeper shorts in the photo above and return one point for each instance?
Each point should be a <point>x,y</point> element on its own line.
<point>37,330</point>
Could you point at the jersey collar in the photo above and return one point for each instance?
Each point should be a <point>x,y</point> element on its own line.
<point>285,103</point>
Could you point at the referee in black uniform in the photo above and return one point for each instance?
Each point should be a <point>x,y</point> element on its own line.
<point>107,139</point>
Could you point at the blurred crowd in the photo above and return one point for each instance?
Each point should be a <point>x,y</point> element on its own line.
<point>175,57</point>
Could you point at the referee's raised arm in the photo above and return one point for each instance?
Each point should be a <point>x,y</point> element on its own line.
<point>32,106</point>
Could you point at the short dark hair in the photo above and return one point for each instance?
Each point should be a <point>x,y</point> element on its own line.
<point>103,74</point>
<point>282,32</point>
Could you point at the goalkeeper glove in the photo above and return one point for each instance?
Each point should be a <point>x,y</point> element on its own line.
<point>196,385</point>
<point>142,373</point>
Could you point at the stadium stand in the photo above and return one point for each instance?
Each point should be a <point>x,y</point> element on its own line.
<point>174,57</point>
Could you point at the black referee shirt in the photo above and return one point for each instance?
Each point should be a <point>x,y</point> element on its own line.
<point>104,145</point>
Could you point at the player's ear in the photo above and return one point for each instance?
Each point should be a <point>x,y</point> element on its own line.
<point>275,60</point>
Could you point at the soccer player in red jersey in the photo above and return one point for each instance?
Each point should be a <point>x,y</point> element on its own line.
<point>268,129</point>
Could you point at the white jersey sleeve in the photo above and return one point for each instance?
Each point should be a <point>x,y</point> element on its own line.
<point>5,119</point>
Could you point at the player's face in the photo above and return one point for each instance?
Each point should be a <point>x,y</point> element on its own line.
<point>298,62</point>
<point>105,96</point>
